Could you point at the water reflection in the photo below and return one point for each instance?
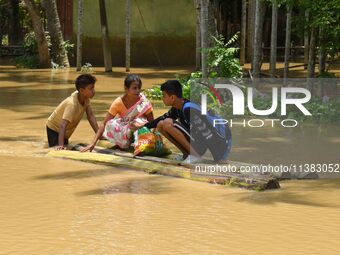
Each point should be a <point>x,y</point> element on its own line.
<point>55,206</point>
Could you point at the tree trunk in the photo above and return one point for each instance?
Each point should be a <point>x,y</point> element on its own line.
<point>257,52</point>
<point>311,57</point>
<point>250,33</point>
<point>2,26</point>
<point>288,40</point>
<point>322,54</point>
<point>212,26</point>
<point>105,36</point>
<point>14,23</point>
<point>204,36</point>
<point>243,33</point>
<point>273,40</point>
<point>80,35</point>
<point>128,35</point>
<point>306,41</point>
<point>198,34</point>
<point>44,54</point>
<point>59,53</point>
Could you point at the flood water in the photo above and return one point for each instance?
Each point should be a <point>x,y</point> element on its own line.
<point>56,206</point>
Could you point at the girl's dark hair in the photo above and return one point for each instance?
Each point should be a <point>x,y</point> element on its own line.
<point>84,80</point>
<point>132,78</point>
<point>172,87</point>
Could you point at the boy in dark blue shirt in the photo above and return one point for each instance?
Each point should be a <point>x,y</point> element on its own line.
<point>192,134</point>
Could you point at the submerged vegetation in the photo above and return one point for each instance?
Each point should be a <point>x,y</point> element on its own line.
<point>222,62</point>
<point>30,58</point>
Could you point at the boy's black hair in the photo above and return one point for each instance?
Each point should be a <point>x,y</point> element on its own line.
<point>132,78</point>
<point>172,87</point>
<point>84,80</point>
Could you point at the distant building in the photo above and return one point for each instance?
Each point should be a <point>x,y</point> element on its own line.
<point>162,31</point>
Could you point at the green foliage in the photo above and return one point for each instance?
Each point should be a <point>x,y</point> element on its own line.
<point>69,47</point>
<point>323,16</point>
<point>87,68</point>
<point>4,40</point>
<point>30,57</point>
<point>154,93</point>
<point>222,60</point>
<point>326,75</point>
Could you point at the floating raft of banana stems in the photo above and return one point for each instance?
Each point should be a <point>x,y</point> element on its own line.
<point>102,154</point>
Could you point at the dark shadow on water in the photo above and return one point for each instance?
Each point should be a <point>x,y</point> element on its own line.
<point>300,194</point>
<point>20,138</point>
<point>151,73</point>
<point>39,76</point>
<point>21,99</point>
<point>38,116</point>
<point>148,185</point>
<point>79,174</point>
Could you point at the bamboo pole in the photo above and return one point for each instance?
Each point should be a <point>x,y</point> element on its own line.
<point>149,165</point>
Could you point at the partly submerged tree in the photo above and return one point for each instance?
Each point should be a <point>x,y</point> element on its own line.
<point>273,40</point>
<point>198,34</point>
<point>105,36</point>
<point>128,35</point>
<point>258,35</point>
<point>3,20</point>
<point>323,26</point>
<point>14,23</point>
<point>59,53</point>
<point>204,36</point>
<point>39,31</point>
<point>289,7</point>
<point>243,33</point>
<point>80,34</point>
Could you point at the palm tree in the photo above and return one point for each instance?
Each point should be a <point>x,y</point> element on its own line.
<point>306,40</point>
<point>43,52</point>
<point>250,32</point>
<point>243,33</point>
<point>257,52</point>
<point>273,41</point>
<point>58,50</point>
<point>311,57</point>
<point>14,22</point>
<point>198,34</point>
<point>105,36</point>
<point>288,39</point>
<point>80,34</point>
<point>204,36</point>
<point>322,53</point>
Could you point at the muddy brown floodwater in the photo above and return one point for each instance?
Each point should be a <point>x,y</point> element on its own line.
<point>56,206</point>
